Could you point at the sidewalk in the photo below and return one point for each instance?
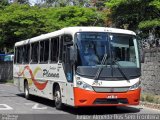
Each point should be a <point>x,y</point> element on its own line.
<point>150,105</point>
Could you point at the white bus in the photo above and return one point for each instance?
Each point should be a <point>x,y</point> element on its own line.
<point>80,66</point>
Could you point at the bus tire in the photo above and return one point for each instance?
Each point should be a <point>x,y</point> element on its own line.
<point>26,90</point>
<point>58,99</point>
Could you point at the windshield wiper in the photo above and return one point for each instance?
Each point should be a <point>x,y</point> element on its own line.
<point>120,70</point>
<point>101,67</point>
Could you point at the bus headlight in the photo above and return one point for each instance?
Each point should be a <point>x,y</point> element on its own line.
<point>135,86</point>
<point>84,85</point>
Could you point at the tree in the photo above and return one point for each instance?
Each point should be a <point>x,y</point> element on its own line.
<point>21,1</point>
<point>63,3</point>
<point>19,22</point>
<point>99,4</point>
<point>134,14</point>
<point>58,3</point>
<point>3,3</point>
<point>58,18</point>
<point>155,20</point>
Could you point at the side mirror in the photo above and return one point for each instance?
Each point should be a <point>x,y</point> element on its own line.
<point>68,41</point>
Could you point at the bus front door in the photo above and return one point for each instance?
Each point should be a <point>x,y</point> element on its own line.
<point>69,93</point>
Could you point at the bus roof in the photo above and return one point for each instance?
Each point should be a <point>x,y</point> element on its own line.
<point>72,31</point>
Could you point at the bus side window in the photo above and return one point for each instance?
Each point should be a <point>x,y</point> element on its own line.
<point>61,47</point>
<point>26,54</point>
<point>44,51</point>
<point>19,54</point>
<point>54,49</point>
<point>35,52</point>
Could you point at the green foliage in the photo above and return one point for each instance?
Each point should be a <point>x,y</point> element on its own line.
<point>3,4</point>
<point>136,14</point>
<point>149,24</point>
<point>21,1</point>
<point>156,4</point>
<point>150,98</point>
<point>75,16</point>
<point>64,3</point>
<point>19,22</point>
<point>143,98</point>
<point>115,3</point>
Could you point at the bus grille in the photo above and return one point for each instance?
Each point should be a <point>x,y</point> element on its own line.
<point>111,101</point>
<point>110,89</point>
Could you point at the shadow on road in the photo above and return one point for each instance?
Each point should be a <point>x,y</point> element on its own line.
<point>40,100</point>
<point>86,110</point>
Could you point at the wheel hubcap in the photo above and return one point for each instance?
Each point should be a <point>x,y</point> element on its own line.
<point>26,91</point>
<point>57,96</point>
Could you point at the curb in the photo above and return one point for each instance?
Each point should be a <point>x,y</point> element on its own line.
<point>6,83</point>
<point>150,105</point>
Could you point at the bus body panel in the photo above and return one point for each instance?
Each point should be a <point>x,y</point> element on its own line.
<point>41,79</point>
<point>88,97</point>
<point>91,98</point>
<point>108,83</point>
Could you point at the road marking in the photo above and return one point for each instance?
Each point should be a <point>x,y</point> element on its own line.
<point>28,103</point>
<point>39,108</point>
<point>36,106</point>
<point>5,107</point>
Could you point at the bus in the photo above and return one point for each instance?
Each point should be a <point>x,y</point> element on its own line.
<point>80,66</point>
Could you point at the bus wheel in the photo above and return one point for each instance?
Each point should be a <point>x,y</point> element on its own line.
<point>58,99</point>
<point>26,90</point>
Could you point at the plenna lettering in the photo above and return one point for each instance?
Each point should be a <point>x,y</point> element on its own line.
<point>46,73</point>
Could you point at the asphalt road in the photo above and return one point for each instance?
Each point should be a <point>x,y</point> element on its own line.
<point>13,106</point>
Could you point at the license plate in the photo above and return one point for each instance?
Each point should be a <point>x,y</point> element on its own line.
<point>112,97</point>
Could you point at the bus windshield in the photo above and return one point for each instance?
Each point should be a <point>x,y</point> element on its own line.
<point>121,49</point>
<point>92,47</point>
<point>124,50</point>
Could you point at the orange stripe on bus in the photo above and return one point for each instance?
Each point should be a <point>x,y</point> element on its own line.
<point>40,86</point>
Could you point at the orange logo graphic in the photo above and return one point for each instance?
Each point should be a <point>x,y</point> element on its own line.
<point>40,86</point>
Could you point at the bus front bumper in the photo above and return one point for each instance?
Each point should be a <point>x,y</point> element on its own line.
<point>91,98</point>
